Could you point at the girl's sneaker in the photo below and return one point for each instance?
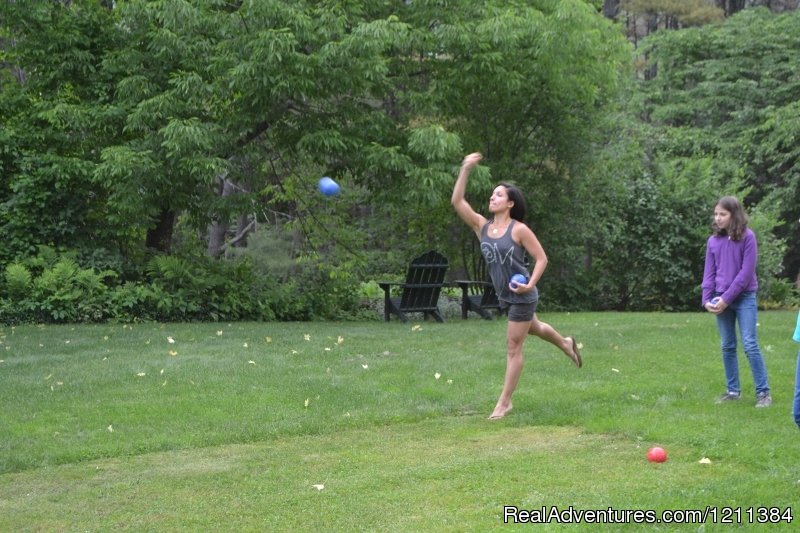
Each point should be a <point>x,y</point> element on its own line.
<point>763,399</point>
<point>728,397</point>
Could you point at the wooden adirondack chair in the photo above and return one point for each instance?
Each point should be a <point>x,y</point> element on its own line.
<point>478,295</point>
<point>420,292</point>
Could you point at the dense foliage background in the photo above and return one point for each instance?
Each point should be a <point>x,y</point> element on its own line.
<point>158,159</point>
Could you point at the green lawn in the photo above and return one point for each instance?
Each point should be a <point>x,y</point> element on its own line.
<point>382,427</point>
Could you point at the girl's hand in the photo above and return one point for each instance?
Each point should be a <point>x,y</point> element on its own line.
<point>716,306</point>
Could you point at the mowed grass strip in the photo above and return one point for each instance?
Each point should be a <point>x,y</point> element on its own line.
<point>448,474</point>
<point>380,426</point>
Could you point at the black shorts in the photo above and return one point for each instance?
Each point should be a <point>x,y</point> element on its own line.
<point>519,312</point>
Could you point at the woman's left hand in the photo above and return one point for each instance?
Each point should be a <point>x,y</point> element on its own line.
<point>517,288</point>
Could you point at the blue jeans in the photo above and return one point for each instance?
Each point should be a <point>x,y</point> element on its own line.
<point>744,310</point>
<point>796,408</point>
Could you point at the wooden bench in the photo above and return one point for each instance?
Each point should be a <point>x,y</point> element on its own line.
<point>420,292</point>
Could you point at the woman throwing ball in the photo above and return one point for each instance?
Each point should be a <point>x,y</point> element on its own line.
<point>504,240</point>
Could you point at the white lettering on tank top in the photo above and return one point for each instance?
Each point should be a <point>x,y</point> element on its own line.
<point>493,255</point>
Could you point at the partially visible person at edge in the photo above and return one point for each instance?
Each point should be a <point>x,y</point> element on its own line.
<point>504,240</point>
<point>729,292</point>
<point>796,407</point>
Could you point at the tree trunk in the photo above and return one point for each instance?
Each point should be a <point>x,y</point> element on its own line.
<point>241,226</point>
<point>731,6</point>
<point>611,9</point>
<point>219,228</point>
<point>159,238</point>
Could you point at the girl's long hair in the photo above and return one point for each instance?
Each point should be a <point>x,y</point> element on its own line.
<point>520,208</point>
<point>738,224</point>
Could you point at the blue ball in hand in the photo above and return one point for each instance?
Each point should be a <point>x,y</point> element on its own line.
<point>518,279</point>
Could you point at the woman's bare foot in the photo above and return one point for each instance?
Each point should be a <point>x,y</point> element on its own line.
<point>500,411</point>
<point>573,353</point>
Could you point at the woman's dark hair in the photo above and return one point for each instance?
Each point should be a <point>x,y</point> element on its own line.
<point>738,224</point>
<point>520,208</point>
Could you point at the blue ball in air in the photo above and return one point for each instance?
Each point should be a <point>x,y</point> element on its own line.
<point>328,187</point>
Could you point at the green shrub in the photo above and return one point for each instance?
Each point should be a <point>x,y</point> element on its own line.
<point>132,302</point>
<point>67,293</point>
<point>203,289</point>
<point>18,281</point>
<point>52,288</point>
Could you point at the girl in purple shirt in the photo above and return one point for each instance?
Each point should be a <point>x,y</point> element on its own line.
<point>729,292</point>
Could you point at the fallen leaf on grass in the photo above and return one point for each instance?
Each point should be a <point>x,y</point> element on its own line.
<point>173,353</point>
<point>252,362</point>
<point>705,461</point>
<point>365,366</point>
<point>614,370</point>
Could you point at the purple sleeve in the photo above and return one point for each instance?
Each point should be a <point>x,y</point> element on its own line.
<point>747,273</point>
<point>709,274</point>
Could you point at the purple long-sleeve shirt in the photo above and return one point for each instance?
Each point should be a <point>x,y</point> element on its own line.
<point>730,266</point>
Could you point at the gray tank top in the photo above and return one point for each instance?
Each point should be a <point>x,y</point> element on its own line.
<point>504,258</point>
